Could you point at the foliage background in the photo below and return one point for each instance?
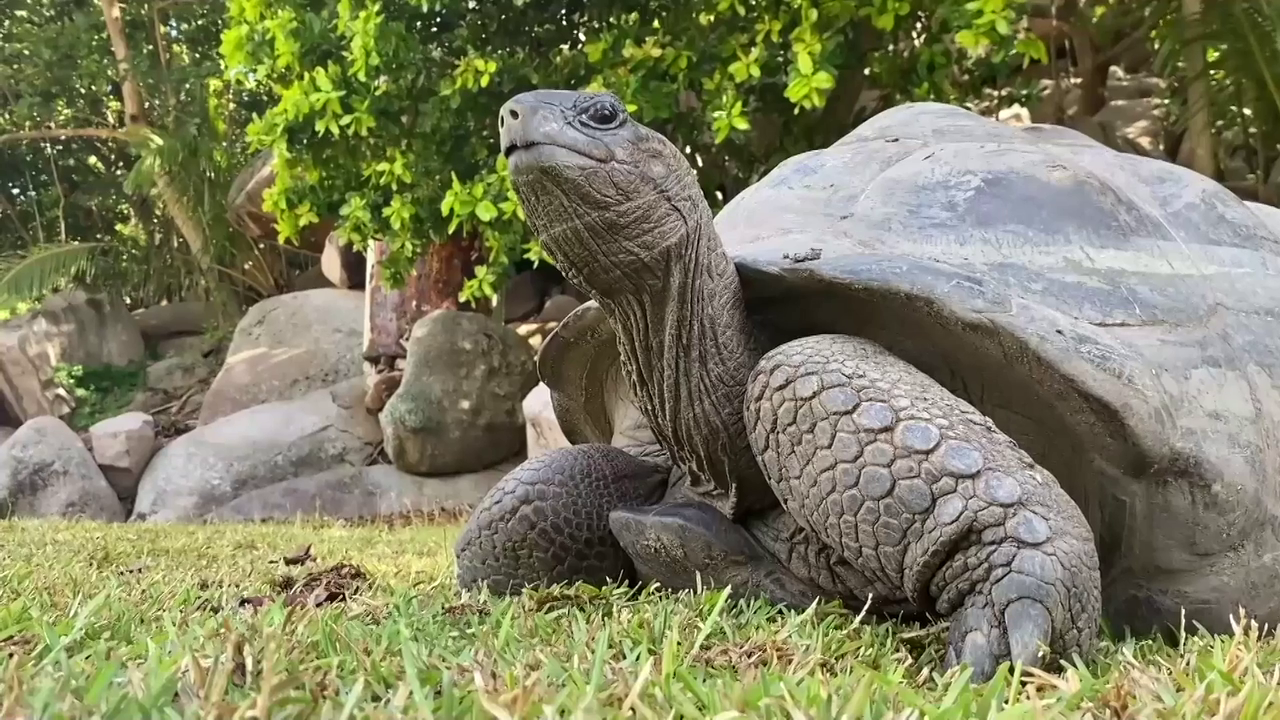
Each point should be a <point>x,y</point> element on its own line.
<point>380,115</point>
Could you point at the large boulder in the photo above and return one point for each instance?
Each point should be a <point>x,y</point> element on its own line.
<point>71,328</point>
<point>457,408</point>
<point>1135,126</point>
<point>542,429</point>
<point>349,493</point>
<point>247,214</point>
<point>260,446</point>
<point>122,447</point>
<point>178,372</point>
<point>46,471</point>
<point>524,294</point>
<point>1057,97</point>
<point>287,346</point>
<point>159,322</point>
<point>342,264</point>
<point>1122,86</point>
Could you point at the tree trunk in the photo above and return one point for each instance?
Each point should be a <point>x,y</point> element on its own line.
<point>435,283</point>
<point>1196,151</point>
<point>136,119</point>
<point>1091,63</point>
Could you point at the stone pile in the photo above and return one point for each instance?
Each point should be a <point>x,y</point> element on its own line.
<point>281,427</point>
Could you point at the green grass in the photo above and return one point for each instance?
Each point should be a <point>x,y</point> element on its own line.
<point>130,621</point>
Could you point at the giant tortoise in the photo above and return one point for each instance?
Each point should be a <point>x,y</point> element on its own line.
<point>944,367</point>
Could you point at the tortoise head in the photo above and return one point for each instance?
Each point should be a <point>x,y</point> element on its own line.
<point>611,200</point>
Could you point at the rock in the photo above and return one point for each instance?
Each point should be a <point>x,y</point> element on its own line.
<point>1236,168</point>
<point>263,445</point>
<point>568,288</point>
<point>381,387</point>
<point>1089,126</point>
<point>1137,123</point>
<point>245,208</point>
<point>181,318</point>
<point>1133,87</point>
<point>343,265</point>
<point>122,447</point>
<point>535,333</point>
<point>71,328</point>
<point>178,373</point>
<point>45,471</point>
<point>541,428</point>
<point>457,408</point>
<point>1052,94</point>
<point>523,295</point>
<point>557,308</point>
<point>186,345</point>
<point>350,493</point>
<point>311,279</point>
<point>1015,115</point>
<point>287,346</point>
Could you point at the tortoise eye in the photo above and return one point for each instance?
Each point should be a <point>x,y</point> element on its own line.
<point>603,115</point>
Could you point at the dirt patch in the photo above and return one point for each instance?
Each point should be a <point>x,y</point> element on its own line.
<point>334,584</point>
<point>466,609</point>
<point>176,411</point>
<point>752,655</point>
<point>18,645</point>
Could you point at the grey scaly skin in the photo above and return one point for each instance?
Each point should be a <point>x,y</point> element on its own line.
<point>823,468</point>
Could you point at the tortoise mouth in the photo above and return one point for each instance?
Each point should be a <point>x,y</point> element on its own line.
<point>510,148</point>
<point>530,153</point>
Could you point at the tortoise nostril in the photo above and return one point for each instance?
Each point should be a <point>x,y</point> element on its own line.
<point>515,115</point>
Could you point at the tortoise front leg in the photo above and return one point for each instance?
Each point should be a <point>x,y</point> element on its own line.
<point>547,521</point>
<point>925,500</point>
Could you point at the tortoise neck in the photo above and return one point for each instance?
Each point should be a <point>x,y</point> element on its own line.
<point>688,349</point>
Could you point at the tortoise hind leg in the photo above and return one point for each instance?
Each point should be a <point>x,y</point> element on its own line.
<point>547,521</point>
<point>926,499</point>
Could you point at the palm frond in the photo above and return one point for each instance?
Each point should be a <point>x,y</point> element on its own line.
<point>48,268</point>
<point>1242,40</point>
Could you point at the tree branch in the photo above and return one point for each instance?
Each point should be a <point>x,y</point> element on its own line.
<point>135,118</point>
<point>170,3</point>
<point>1127,44</point>
<point>59,133</point>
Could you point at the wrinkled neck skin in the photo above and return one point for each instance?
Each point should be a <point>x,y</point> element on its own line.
<point>684,338</point>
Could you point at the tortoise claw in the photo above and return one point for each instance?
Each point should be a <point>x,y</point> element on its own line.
<point>980,641</point>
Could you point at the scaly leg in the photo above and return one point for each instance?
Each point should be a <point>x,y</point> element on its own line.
<point>926,499</point>
<point>547,521</point>
<point>897,491</point>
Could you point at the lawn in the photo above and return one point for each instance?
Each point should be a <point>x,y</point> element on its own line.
<point>130,621</point>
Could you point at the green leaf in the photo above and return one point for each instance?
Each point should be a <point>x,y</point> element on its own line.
<point>486,211</point>
<point>822,80</point>
<point>804,63</point>
<point>44,270</point>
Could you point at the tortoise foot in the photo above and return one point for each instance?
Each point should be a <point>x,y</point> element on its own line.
<point>693,546</point>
